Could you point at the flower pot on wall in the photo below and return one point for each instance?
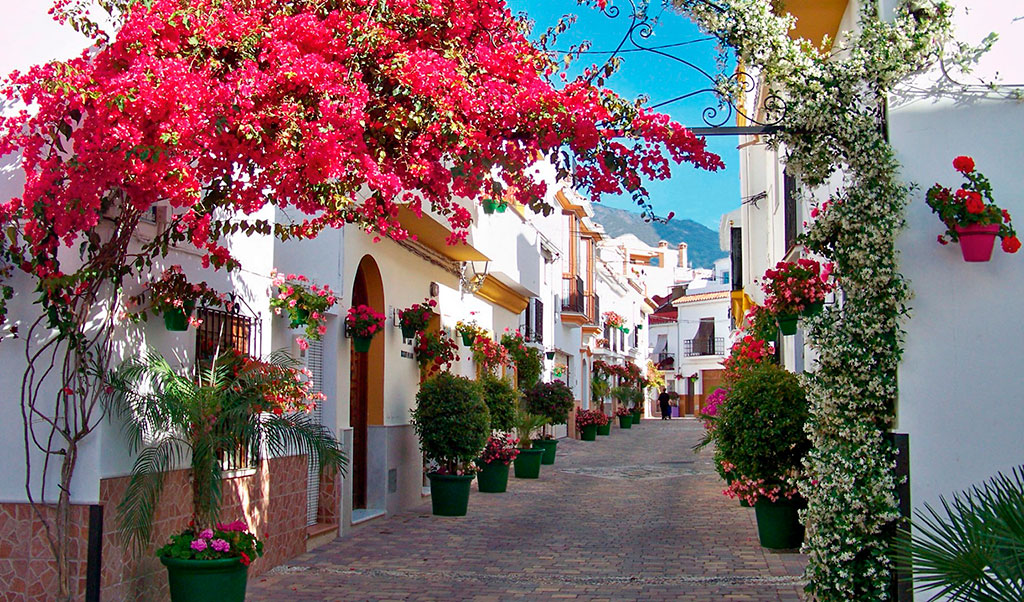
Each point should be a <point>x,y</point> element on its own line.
<point>527,463</point>
<point>589,432</point>
<point>550,447</point>
<point>814,308</point>
<point>977,240</point>
<point>787,324</point>
<point>408,332</point>
<point>501,207</point>
<point>361,344</point>
<point>449,493</point>
<point>176,320</point>
<point>550,354</point>
<point>301,318</point>
<point>778,524</point>
<point>467,338</point>
<point>492,478</point>
<point>489,206</point>
<point>220,580</point>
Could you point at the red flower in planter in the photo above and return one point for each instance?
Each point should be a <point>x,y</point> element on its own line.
<point>963,164</point>
<point>1011,244</point>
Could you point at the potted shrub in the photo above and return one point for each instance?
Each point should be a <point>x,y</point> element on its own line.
<point>452,423</point>
<point>794,288</point>
<point>587,422</point>
<point>502,400</point>
<point>362,323</point>
<point>243,404</point>
<point>527,463</point>
<point>625,417</point>
<point>760,430</point>
<point>970,214</point>
<point>174,297</point>
<point>554,400</point>
<point>499,452</point>
<point>599,389</point>
<point>305,303</point>
<point>435,351</point>
<point>416,317</point>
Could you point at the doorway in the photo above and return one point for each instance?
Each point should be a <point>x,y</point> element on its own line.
<point>366,383</point>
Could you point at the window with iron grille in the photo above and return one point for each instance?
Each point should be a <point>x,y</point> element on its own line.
<point>221,332</point>
<point>534,323</point>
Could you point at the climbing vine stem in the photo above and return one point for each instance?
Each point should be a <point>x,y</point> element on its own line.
<point>834,136</point>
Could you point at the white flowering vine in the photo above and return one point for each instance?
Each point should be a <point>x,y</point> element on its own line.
<point>834,123</point>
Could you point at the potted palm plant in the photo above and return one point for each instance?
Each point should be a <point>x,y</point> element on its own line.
<point>452,422</point>
<point>527,463</point>
<point>553,400</point>
<point>236,405</point>
<point>760,430</point>
<point>599,389</point>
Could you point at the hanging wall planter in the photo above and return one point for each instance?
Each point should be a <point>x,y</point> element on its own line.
<point>176,319</point>
<point>489,206</point>
<point>787,324</point>
<point>977,241</point>
<point>549,354</point>
<point>361,344</point>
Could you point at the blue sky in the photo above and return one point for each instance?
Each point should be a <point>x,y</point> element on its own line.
<point>691,193</point>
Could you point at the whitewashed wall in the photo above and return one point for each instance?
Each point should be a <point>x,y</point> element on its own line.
<point>961,383</point>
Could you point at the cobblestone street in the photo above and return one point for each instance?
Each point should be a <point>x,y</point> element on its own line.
<point>633,516</point>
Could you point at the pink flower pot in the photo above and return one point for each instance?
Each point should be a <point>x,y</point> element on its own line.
<point>976,241</point>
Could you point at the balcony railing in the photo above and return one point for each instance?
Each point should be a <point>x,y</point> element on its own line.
<point>709,346</point>
<point>573,299</point>
<point>666,361</point>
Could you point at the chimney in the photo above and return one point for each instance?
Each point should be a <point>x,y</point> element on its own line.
<point>682,255</point>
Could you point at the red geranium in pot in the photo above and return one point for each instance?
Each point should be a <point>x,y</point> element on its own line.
<point>970,214</point>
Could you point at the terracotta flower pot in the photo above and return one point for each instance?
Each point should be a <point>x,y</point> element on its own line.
<point>977,240</point>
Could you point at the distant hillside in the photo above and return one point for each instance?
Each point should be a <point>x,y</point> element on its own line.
<point>702,242</point>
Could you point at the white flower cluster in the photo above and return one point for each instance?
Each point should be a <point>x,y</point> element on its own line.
<point>835,107</point>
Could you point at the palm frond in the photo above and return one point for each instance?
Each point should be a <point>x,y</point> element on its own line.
<point>973,549</point>
<point>138,506</point>
<point>296,434</point>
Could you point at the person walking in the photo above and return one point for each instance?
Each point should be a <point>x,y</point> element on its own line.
<point>666,408</point>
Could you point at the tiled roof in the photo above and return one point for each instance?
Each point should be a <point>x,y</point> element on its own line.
<point>702,297</point>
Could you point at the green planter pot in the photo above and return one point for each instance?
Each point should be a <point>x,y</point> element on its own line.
<point>626,422</point>
<point>492,478</point>
<point>449,493</point>
<point>489,207</point>
<point>361,344</point>
<point>221,580</point>
<point>589,432</point>
<point>467,339</point>
<point>408,332</point>
<point>778,524</point>
<point>176,320</point>
<point>550,446</point>
<point>636,417</point>
<point>787,324</point>
<point>501,207</point>
<point>301,318</point>
<point>605,429</point>
<point>527,463</point>
<point>814,308</point>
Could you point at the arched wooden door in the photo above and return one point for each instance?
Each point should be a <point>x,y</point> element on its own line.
<point>366,385</point>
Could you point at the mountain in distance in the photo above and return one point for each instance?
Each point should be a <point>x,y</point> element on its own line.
<point>701,241</point>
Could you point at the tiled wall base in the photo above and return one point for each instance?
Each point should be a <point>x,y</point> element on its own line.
<point>271,499</point>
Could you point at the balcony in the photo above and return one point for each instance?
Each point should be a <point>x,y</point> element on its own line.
<point>573,299</point>
<point>666,361</point>
<point>593,308</point>
<point>701,347</point>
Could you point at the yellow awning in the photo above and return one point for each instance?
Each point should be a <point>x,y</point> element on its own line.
<point>433,234</point>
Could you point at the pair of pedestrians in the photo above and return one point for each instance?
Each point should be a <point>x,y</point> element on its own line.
<point>664,400</point>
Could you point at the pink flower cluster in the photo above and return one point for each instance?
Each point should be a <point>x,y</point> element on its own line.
<point>500,448</point>
<point>793,286</point>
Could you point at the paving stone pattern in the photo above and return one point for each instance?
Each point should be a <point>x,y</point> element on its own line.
<point>633,516</point>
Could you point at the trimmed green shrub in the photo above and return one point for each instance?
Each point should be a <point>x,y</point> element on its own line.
<point>452,421</point>
<point>502,400</point>
<point>554,400</point>
<point>760,428</point>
